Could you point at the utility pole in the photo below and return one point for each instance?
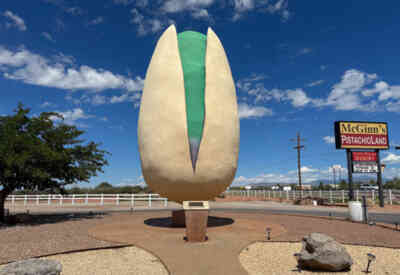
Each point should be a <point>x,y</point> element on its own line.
<point>298,147</point>
<point>334,177</point>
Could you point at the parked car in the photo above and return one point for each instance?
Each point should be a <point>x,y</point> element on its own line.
<point>368,187</point>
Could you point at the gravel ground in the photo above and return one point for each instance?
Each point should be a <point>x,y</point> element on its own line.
<point>277,258</point>
<point>48,234</point>
<point>121,261</point>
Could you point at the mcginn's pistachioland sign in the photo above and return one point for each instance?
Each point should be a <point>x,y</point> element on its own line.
<point>365,135</point>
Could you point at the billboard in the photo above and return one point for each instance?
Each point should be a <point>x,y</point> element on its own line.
<point>359,134</point>
<point>364,156</point>
<point>365,167</point>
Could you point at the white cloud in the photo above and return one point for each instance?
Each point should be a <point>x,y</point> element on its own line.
<point>47,104</point>
<point>304,169</point>
<point>16,21</point>
<point>37,70</point>
<point>322,67</point>
<point>74,10</point>
<point>243,5</point>
<point>48,36</point>
<point>329,139</point>
<point>391,158</point>
<point>298,97</point>
<point>148,25</point>
<point>70,117</point>
<point>104,119</point>
<point>315,83</point>
<point>135,98</point>
<point>246,112</point>
<point>173,6</point>
<point>123,2</point>
<point>345,94</point>
<point>98,100</point>
<point>201,13</point>
<point>97,20</point>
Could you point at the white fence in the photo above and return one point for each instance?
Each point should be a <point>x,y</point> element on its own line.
<point>85,199</point>
<point>341,196</point>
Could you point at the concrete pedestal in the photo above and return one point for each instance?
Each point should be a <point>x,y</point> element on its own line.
<point>178,218</point>
<point>196,225</point>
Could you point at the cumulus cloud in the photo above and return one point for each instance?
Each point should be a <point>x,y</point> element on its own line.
<point>48,36</point>
<point>173,6</point>
<point>70,117</point>
<point>96,21</point>
<point>247,112</point>
<point>297,97</point>
<point>315,83</point>
<point>47,104</point>
<point>329,139</point>
<point>147,25</point>
<point>34,69</point>
<point>391,158</point>
<point>14,21</point>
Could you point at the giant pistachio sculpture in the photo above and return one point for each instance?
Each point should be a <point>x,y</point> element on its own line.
<point>188,129</point>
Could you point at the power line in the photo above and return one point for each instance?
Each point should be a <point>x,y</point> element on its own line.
<point>298,147</point>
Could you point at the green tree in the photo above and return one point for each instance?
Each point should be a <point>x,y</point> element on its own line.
<point>35,154</point>
<point>343,185</point>
<point>104,185</point>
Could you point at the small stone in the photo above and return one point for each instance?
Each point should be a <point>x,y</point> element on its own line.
<point>32,267</point>
<point>322,253</point>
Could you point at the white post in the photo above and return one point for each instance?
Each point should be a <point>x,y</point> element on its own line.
<point>25,199</point>
<point>320,193</point>
<point>356,195</point>
<point>390,197</point>
<point>373,196</point>
<point>133,200</point>
<point>280,193</point>
<point>102,199</point>
<point>117,199</point>
<point>149,200</point>
<point>49,200</point>
<point>287,194</point>
<point>61,199</point>
<point>87,198</point>
<point>343,196</point>
<point>13,199</point>
<point>73,199</point>
<point>37,199</point>
<point>165,202</point>
<point>310,193</point>
<point>330,195</point>
<point>269,194</point>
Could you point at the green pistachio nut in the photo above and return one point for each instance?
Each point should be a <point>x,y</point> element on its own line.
<point>188,129</point>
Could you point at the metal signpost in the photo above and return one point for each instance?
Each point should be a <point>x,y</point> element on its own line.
<point>362,141</point>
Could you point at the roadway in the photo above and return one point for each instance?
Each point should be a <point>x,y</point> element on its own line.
<point>215,207</point>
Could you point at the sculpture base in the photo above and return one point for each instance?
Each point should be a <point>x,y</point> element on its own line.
<point>196,225</point>
<point>178,218</point>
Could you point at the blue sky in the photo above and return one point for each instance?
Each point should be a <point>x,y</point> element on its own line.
<point>297,65</point>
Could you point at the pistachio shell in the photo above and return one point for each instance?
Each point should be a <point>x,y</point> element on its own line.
<point>162,127</point>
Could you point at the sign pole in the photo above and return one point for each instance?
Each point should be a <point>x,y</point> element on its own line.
<point>379,180</point>
<point>349,172</point>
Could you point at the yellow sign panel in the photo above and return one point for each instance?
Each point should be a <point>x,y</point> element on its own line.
<point>363,128</point>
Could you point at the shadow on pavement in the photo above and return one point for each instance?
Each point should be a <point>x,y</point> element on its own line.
<point>167,222</point>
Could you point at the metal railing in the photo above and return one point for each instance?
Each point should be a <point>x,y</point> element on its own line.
<point>333,196</point>
<point>84,199</point>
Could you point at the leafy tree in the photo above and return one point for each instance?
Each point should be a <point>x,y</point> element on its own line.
<point>37,155</point>
<point>343,185</point>
<point>104,185</point>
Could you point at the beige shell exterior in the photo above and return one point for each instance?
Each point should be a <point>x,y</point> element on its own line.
<point>162,127</point>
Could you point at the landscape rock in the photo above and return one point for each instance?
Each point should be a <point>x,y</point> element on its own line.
<point>32,267</point>
<point>322,253</point>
